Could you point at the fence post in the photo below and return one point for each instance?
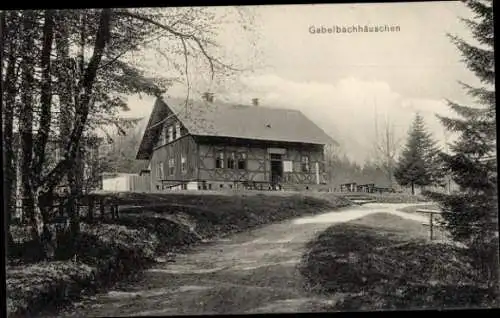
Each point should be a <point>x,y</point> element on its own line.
<point>91,208</point>
<point>101,207</point>
<point>430,224</point>
<point>112,210</point>
<point>61,207</point>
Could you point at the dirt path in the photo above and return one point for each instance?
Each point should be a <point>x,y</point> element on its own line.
<point>249,272</point>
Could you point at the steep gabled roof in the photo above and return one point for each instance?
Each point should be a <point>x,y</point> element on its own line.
<point>218,119</point>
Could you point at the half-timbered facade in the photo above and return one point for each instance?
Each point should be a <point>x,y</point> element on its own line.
<point>209,145</point>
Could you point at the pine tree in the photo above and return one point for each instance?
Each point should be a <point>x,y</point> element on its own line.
<point>419,163</point>
<point>471,214</point>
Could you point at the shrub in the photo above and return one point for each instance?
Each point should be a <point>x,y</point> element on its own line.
<point>43,284</point>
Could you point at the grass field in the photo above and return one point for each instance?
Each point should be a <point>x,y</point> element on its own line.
<point>382,262</point>
<point>110,250</point>
<point>396,198</point>
<point>415,208</point>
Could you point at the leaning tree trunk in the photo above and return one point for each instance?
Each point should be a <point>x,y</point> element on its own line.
<point>45,203</point>
<point>82,108</point>
<point>66,83</point>
<point>26,130</point>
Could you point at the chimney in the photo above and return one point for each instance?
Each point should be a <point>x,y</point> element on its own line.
<point>209,97</point>
<point>255,101</point>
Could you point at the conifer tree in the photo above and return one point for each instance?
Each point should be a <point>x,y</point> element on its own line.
<point>471,214</point>
<point>419,163</point>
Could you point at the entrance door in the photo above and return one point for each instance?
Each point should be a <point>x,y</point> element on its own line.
<point>276,169</point>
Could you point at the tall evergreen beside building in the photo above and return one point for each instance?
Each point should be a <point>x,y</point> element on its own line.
<point>471,214</point>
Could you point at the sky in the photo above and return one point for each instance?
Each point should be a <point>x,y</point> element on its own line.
<point>344,82</point>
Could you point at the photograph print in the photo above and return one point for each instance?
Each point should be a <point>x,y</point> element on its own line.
<point>255,159</point>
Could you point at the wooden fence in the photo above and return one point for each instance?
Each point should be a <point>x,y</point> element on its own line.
<point>431,214</point>
<point>436,230</point>
<point>90,207</point>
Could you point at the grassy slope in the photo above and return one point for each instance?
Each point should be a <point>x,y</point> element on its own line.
<point>176,220</point>
<point>106,253</point>
<point>189,218</point>
<point>385,262</point>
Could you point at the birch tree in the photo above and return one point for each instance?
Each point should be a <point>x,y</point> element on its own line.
<point>386,147</point>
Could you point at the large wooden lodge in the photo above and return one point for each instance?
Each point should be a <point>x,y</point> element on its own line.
<point>207,145</point>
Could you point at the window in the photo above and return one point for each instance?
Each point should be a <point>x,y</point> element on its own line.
<point>305,164</point>
<point>242,161</point>
<point>174,134</point>
<point>159,170</point>
<point>183,164</point>
<point>170,134</point>
<point>171,166</point>
<point>178,130</point>
<point>219,160</point>
<point>163,139</point>
<point>231,161</point>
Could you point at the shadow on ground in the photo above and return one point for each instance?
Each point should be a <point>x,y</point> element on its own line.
<point>385,262</point>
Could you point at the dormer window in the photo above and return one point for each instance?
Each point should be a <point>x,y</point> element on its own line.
<point>178,130</point>
<point>163,139</point>
<point>170,134</point>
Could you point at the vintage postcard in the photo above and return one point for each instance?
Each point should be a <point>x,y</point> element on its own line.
<point>249,159</point>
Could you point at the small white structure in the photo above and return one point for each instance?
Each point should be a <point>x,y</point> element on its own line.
<point>192,186</point>
<point>121,182</point>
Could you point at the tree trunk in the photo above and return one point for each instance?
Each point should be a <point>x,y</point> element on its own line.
<point>65,81</point>
<point>45,96</point>
<point>73,207</point>
<point>44,203</point>
<point>9,40</point>
<point>66,85</point>
<point>82,107</point>
<point>412,188</point>
<point>26,130</point>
